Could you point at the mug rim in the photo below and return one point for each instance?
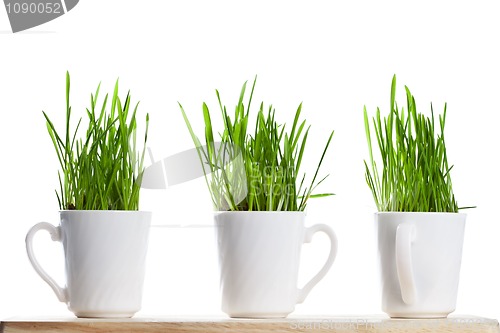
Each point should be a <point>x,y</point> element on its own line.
<point>265,212</point>
<point>104,210</point>
<point>419,213</point>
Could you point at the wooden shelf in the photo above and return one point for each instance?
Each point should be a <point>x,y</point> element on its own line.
<point>368,324</point>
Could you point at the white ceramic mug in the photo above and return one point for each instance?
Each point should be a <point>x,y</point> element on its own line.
<point>105,255</point>
<point>420,256</point>
<point>259,255</point>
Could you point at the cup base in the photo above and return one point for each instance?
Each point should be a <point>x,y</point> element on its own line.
<point>418,315</point>
<point>104,314</point>
<point>258,315</point>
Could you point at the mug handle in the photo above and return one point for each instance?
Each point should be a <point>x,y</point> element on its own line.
<point>55,233</point>
<point>302,293</point>
<point>405,235</point>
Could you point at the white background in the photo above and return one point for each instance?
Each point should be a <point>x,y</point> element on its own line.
<point>336,57</point>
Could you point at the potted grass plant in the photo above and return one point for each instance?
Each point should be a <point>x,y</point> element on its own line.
<point>420,229</point>
<point>260,198</point>
<point>103,233</point>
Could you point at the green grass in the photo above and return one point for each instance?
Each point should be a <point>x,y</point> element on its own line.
<point>102,169</point>
<point>264,174</point>
<point>415,174</point>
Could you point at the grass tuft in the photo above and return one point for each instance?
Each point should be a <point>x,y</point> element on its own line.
<point>265,168</point>
<point>102,170</point>
<point>415,174</point>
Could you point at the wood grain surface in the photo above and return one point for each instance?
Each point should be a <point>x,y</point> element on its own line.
<point>369,324</point>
